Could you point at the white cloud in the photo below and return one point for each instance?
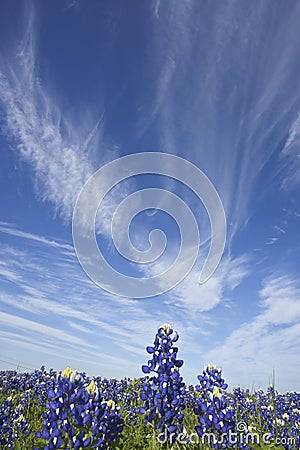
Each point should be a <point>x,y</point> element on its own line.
<point>281,299</point>
<point>79,328</point>
<point>13,231</point>
<point>14,321</point>
<point>8,274</point>
<point>270,340</point>
<point>279,230</point>
<point>272,241</point>
<point>78,357</point>
<point>290,156</point>
<point>195,297</point>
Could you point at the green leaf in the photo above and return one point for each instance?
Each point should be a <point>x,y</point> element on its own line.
<point>17,445</point>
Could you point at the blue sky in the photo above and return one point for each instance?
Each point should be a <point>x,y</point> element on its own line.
<point>216,83</point>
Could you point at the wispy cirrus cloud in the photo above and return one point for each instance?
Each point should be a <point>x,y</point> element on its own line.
<point>290,156</point>
<point>60,150</point>
<point>272,241</point>
<point>47,286</point>
<point>14,231</point>
<point>79,359</point>
<point>241,100</point>
<point>17,322</point>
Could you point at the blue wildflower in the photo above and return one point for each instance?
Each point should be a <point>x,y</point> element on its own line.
<point>163,393</point>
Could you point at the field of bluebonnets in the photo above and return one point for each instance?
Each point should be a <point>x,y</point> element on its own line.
<point>66,410</point>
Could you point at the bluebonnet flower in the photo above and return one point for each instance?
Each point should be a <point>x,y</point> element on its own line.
<point>215,416</point>
<point>76,417</point>
<point>163,393</point>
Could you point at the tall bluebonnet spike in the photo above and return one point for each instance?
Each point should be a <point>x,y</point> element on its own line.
<point>163,394</point>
